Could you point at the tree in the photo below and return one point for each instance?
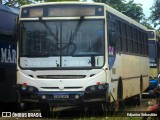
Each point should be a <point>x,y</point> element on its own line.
<point>59,0</point>
<point>134,11</point>
<point>131,9</point>
<point>117,4</point>
<point>155,14</point>
<point>147,23</point>
<point>16,3</point>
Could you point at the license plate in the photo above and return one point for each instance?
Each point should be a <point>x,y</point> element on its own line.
<point>61,96</point>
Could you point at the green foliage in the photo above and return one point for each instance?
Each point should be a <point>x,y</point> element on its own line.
<point>155,14</point>
<point>16,3</point>
<point>117,4</point>
<point>60,0</point>
<point>147,23</point>
<point>134,10</point>
<point>131,9</point>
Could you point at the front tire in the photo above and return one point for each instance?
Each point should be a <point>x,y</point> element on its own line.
<point>45,109</point>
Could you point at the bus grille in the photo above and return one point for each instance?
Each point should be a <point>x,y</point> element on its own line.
<point>64,87</point>
<point>61,76</point>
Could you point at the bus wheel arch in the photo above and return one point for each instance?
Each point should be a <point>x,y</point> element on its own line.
<point>120,89</point>
<point>119,100</point>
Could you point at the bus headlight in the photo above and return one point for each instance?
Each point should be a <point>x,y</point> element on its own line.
<point>96,87</point>
<point>26,88</point>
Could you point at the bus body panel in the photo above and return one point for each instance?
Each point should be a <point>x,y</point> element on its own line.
<point>126,67</point>
<point>81,84</point>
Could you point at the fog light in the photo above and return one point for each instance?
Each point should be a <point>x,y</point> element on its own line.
<point>77,96</point>
<point>43,97</point>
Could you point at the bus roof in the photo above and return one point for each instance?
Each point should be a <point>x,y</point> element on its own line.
<point>124,17</point>
<point>108,8</point>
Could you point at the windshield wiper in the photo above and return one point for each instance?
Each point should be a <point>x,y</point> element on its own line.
<point>74,34</point>
<point>49,29</point>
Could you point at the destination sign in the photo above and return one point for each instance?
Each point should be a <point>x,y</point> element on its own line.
<point>62,11</point>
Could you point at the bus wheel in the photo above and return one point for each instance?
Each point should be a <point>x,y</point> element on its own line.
<point>111,108</point>
<point>97,109</point>
<point>45,109</point>
<point>101,109</point>
<point>89,109</point>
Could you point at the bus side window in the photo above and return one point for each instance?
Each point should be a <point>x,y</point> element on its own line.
<point>111,50</point>
<point>112,35</point>
<point>129,39</point>
<point>119,42</point>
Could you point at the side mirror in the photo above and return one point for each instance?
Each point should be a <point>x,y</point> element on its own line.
<point>158,77</point>
<point>113,37</point>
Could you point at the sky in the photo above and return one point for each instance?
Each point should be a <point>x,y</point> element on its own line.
<point>146,5</point>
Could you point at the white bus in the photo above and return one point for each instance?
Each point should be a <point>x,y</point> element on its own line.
<point>74,53</point>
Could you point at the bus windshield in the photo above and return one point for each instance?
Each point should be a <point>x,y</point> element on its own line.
<point>77,42</point>
<point>152,53</point>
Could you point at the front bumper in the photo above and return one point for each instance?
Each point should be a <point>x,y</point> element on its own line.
<point>95,93</point>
